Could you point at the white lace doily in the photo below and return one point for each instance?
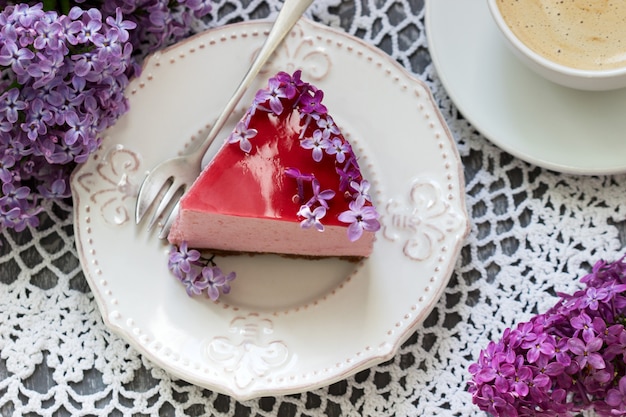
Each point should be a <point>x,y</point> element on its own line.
<point>534,232</point>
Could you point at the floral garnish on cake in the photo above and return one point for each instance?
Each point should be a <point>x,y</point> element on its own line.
<point>319,135</point>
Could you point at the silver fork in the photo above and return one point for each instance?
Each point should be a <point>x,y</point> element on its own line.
<point>172,177</point>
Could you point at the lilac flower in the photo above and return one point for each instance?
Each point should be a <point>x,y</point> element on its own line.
<point>543,344</point>
<point>199,275</point>
<point>312,218</point>
<point>593,296</point>
<point>57,188</point>
<point>242,135</point>
<point>320,197</point>
<point>78,129</point>
<point>360,217</point>
<point>122,26</point>
<point>11,105</point>
<point>318,143</point>
<point>48,36</point>
<point>63,82</point>
<point>618,346</point>
<point>36,121</point>
<point>586,351</point>
<point>215,279</point>
<point>90,28</point>
<point>7,162</point>
<point>494,402</point>
<point>584,323</point>
<point>348,173</point>
<point>361,189</point>
<point>196,284</point>
<point>290,83</point>
<point>12,196</point>
<point>575,353</point>
<point>338,148</point>
<point>522,376</point>
<point>15,57</point>
<point>312,103</point>
<point>182,258</point>
<point>616,397</point>
<point>273,94</point>
<point>561,352</point>
<point>327,124</point>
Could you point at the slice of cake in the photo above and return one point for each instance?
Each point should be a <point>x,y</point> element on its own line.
<point>285,181</point>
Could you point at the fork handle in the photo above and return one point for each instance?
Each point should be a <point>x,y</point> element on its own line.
<point>287,17</point>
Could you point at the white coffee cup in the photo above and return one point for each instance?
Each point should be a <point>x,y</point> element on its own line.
<point>578,71</point>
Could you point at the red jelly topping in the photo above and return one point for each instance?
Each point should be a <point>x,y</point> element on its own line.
<point>260,182</point>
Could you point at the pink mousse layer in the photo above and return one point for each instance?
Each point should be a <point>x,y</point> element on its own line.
<point>243,234</point>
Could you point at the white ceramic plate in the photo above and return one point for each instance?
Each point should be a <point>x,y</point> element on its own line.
<point>540,122</point>
<point>288,325</point>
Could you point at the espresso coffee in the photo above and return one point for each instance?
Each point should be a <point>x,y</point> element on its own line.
<point>583,34</point>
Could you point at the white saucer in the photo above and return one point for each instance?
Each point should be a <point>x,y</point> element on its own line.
<point>540,122</point>
<point>288,325</point>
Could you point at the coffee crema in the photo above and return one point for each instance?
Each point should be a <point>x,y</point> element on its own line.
<point>582,34</point>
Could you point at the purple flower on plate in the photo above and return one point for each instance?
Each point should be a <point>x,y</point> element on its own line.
<point>214,279</point>
<point>181,260</point>
<point>199,275</point>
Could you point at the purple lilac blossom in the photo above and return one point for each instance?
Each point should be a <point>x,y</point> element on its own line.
<point>242,135</point>
<point>199,275</point>
<point>318,143</point>
<point>273,94</point>
<point>62,78</point>
<point>360,217</point>
<point>312,217</point>
<point>320,197</point>
<point>574,352</point>
<point>338,148</point>
<point>312,102</point>
<point>216,280</point>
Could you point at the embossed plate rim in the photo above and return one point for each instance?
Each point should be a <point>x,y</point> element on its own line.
<point>248,353</point>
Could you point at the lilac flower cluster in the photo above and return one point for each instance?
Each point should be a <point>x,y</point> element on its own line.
<point>199,275</point>
<point>62,78</point>
<point>322,137</point>
<point>571,358</point>
<point>158,22</point>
